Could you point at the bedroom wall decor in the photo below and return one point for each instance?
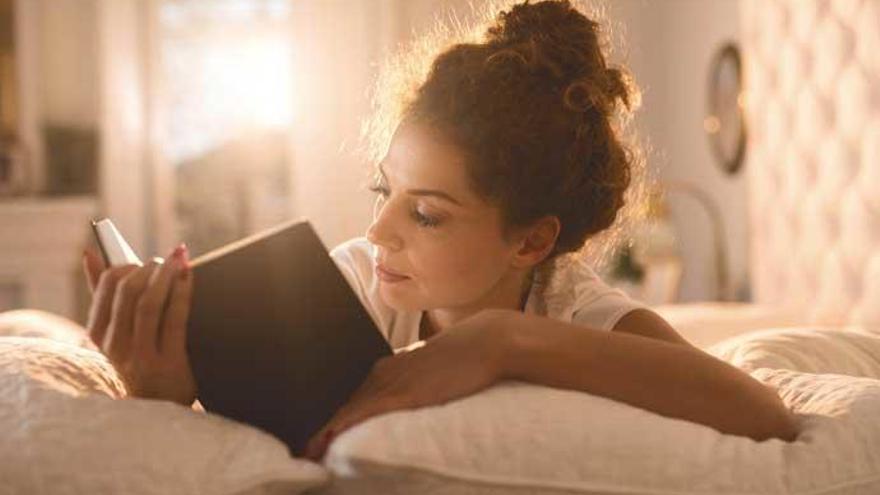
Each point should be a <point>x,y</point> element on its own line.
<point>813,87</point>
<point>725,122</point>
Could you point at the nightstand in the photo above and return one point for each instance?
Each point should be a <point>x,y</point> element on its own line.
<point>40,251</point>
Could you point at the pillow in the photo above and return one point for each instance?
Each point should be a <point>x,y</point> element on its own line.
<point>706,323</point>
<point>37,323</point>
<point>847,351</point>
<point>64,425</point>
<point>519,438</point>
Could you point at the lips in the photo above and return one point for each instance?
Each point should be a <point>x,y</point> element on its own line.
<point>389,274</point>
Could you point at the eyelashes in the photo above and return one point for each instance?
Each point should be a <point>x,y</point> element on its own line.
<point>420,218</point>
<point>382,190</point>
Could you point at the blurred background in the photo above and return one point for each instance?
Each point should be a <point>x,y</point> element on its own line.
<point>204,121</point>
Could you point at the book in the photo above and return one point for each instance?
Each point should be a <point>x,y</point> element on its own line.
<point>276,336</point>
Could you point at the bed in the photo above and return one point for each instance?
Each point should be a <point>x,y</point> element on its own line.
<point>812,334</point>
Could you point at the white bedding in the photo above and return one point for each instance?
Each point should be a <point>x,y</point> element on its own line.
<point>65,431</point>
<point>810,349</point>
<point>526,439</point>
<point>704,324</point>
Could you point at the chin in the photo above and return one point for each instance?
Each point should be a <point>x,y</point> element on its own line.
<point>407,297</point>
<point>401,298</point>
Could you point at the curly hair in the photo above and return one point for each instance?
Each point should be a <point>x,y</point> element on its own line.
<point>540,115</point>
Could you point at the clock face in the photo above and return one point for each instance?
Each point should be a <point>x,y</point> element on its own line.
<point>725,122</point>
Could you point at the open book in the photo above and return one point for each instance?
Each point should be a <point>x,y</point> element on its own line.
<point>276,337</point>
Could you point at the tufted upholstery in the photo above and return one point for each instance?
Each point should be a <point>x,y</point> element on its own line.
<point>813,109</point>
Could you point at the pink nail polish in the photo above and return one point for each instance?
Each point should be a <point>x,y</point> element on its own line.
<point>181,260</point>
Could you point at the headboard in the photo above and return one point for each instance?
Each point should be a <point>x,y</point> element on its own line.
<point>812,73</point>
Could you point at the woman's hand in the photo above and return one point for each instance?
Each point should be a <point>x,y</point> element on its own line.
<point>138,320</point>
<point>457,362</point>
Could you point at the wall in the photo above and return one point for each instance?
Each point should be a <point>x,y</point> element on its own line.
<point>336,50</point>
<point>814,88</point>
<point>669,45</point>
<point>339,46</point>
<point>56,44</point>
<point>69,69</point>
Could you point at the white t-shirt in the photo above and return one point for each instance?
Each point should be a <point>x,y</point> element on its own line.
<point>575,294</point>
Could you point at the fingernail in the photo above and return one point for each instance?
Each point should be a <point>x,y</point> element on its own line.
<point>181,261</point>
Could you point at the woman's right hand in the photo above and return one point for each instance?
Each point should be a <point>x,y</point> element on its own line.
<point>138,320</point>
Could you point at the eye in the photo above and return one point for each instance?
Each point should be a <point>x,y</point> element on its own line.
<point>420,218</point>
<point>380,190</point>
<point>425,220</point>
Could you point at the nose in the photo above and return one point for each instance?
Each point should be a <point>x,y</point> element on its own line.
<point>381,232</point>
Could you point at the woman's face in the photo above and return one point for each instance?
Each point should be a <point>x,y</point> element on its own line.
<point>430,227</point>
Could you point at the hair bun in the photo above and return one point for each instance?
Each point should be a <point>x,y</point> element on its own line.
<point>553,37</point>
<point>600,92</point>
<point>551,20</point>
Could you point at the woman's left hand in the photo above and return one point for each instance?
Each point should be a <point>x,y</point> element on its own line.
<point>455,363</point>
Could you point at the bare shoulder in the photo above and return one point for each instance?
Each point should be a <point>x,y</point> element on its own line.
<point>647,323</point>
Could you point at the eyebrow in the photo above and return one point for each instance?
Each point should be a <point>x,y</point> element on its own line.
<point>425,192</point>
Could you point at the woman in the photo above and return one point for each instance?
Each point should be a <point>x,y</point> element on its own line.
<point>504,163</point>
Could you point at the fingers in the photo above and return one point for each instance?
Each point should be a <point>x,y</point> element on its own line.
<point>151,304</point>
<point>117,342</point>
<point>102,302</point>
<point>355,414</point>
<point>172,338</point>
<point>93,265</point>
<point>317,446</point>
<point>364,411</point>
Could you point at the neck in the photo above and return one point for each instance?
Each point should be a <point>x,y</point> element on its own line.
<point>509,293</point>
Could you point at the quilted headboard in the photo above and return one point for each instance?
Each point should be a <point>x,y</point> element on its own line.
<point>812,73</point>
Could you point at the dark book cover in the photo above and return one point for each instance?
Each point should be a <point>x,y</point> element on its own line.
<point>276,336</point>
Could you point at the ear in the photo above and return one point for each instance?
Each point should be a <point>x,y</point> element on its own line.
<point>537,242</point>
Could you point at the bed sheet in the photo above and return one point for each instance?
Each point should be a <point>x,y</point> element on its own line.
<point>704,324</point>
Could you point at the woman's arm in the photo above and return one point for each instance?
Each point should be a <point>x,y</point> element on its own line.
<point>671,379</point>
<point>649,324</point>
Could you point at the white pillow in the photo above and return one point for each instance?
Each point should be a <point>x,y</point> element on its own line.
<point>67,430</point>
<point>530,439</point>
<point>847,351</point>
<point>38,323</point>
<point>706,323</point>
